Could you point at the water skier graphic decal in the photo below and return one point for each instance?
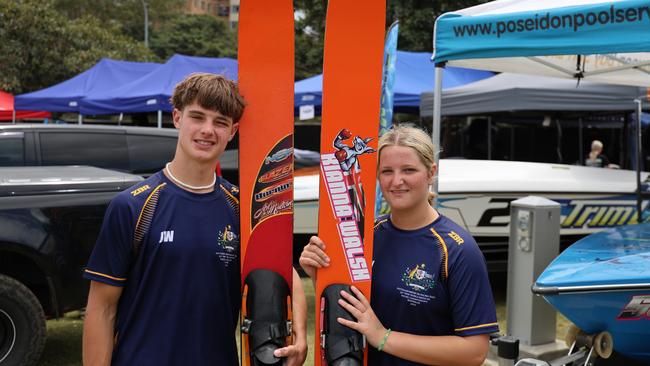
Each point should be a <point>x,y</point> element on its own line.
<point>342,175</point>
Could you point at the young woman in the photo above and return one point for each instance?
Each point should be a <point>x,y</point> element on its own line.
<point>431,300</point>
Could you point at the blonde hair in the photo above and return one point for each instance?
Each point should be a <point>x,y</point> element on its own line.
<point>210,91</point>
<point>596,149</point>
<point>596,145</point>
<point>407,135</point>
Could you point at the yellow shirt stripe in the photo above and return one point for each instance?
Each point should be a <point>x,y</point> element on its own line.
<point>443,246</point>
<point>475,327</point>
<point>105,275</point>
<point>380,222</point>
<point>147,201</point>
<point>229,194</point>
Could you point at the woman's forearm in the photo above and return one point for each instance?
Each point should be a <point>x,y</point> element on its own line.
<point>438,350</point>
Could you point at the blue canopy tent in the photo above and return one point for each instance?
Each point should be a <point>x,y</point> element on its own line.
<point>151,92</point>
<point>600,40</point>
<point>66,96</point>
<point>413,76</point>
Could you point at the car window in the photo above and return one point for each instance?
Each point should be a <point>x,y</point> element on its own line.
<point>12,149</point>
<point>148,154</point>
<point>103,150</point>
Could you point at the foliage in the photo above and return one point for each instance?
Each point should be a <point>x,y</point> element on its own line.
<point>21,25</point>
<point>48,41</point>
<point>310,32</point>
<point>126,16</point>
<point>195,35</point>
<point>42,47</point>
<point>89,41</point>
<point>416,19</point>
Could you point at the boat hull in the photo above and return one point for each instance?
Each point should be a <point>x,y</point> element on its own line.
<point>602,283</point>
<point>601,311</point>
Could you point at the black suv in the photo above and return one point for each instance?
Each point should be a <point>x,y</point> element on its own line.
<point>49,220</point>
<point>136,150</point>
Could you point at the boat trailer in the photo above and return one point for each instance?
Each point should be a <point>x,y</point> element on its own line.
<point>584,350</point>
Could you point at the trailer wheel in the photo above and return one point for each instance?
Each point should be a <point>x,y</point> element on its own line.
<point>22,324</point>
<point>604,344</point>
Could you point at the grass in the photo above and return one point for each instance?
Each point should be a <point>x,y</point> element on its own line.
<point>63,345</point>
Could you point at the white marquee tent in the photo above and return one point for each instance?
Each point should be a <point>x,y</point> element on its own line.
<point>599,40</point>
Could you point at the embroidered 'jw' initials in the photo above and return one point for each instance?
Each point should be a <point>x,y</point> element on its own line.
<point>166,236</point>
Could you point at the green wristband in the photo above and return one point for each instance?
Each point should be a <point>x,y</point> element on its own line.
<point>383,341</point>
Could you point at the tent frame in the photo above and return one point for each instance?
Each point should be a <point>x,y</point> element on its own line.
<point>532,55</point>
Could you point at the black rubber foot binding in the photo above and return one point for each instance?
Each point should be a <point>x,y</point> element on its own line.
<point>342,346</point>
<point>266,316</point>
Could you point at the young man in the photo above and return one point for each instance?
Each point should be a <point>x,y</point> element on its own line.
<point>168,293</point>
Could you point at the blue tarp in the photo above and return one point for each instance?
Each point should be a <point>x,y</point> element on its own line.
<point>152,91</point>
<point>66,96</point>
<point>113,86</point>
<point>414,75</point>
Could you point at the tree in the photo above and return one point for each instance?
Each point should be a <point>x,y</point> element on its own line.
<point>416,18</point>
<point>42,47</point>
<point>127,16</point>
<point>194,35</point>
<point>89,41</point>
<point>31,39</point>
<point>310,34</point>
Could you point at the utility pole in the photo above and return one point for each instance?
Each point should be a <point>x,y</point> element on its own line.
<point>146,23</point>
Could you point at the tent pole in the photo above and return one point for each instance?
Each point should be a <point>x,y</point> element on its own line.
<point>512,141</point>
<point>625,161</point>
<point>119,120</point>
<point>639,199</point>
<point>560,157</point>
<point>159,118</point>
<point>489,137</point>
<point>13,116</point>
<point>435,130</point>
<point>80,119</point>
<point>580,156</point>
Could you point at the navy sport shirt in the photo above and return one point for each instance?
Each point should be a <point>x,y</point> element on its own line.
<point>181,295</point>
<point>429,281</point>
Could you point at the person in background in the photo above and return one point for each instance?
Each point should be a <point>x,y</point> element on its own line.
<point>431,301</point>
<point>596,158</point>
<point>176,299</point>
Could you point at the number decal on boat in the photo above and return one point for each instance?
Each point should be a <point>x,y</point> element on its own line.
<point>638,307</point>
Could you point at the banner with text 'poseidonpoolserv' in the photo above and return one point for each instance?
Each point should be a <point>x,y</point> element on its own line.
<point>529,28</point>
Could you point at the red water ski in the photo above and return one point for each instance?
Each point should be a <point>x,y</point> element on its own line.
<point>352,72</point>
<point>266,79</point>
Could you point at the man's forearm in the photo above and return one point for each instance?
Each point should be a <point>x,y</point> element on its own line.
<point>98,338</point>
<point>299,310</point>
<point>99,323</point>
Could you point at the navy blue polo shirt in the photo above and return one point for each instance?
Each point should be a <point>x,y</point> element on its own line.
<point>181,294</point>
<point>430,281</point>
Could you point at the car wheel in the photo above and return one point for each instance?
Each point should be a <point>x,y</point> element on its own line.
<point>22,324</point>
